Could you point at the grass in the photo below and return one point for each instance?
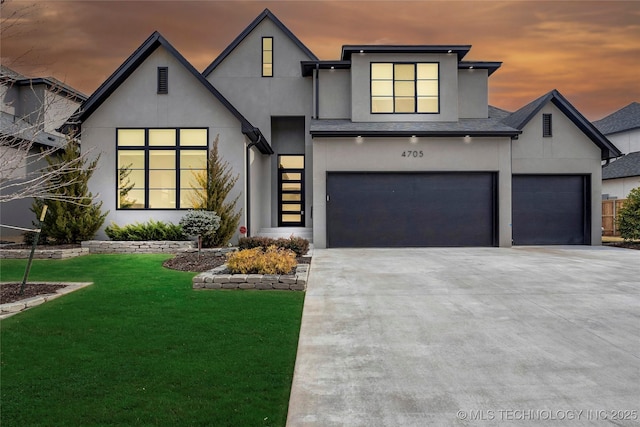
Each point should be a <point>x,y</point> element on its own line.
<point>140,347</point>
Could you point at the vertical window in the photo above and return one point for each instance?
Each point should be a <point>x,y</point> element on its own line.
<point>267,57</point>
<point>404,88</point>
<point>163,80</point>
<point>160,168</point>
<point>546,125</point>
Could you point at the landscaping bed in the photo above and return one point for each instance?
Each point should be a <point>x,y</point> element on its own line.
<point>10,292</point>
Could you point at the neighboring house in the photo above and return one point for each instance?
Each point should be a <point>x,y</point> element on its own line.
<point>622,128</point>
<point>385,146</point>
<point>31,109</point>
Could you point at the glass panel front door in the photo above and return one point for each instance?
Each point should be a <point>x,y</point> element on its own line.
<point>291,191</point>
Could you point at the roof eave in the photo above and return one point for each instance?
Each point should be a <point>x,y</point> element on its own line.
<point>459,50</point>
<point>391,134</point>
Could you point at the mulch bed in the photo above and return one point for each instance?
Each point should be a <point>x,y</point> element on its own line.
<point>627,245</point>
<point>190,261</point>
<point>10,292</point>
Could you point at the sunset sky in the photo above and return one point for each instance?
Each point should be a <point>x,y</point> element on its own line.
<point>588,50</point>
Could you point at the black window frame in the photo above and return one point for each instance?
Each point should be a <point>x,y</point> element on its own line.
<point>163,80</point>
<point>393,97</point>
<point>547,125</point>
<point>146,148</point>
<point>262,64</point>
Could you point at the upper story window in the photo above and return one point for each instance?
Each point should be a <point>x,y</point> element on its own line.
<point>159,168</point>
<point>405,87</point>
<point>163,80</point>
<point>267,57</point>
<point>546,126</point>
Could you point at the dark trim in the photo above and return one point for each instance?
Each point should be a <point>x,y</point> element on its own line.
<point>53,85</point>
<point>491,67</point>
<point>308,66</point>
<point>272,57</point>
<point>147,148</point>
<point>393,97</point>
<point>518,121</point>
<point>459,50</point>
<point>133,62</point>
<point>265,14</point>
<point>392,134</point>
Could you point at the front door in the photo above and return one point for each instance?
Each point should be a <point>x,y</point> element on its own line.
<point>291,191</point>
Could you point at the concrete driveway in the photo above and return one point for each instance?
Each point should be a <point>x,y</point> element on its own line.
<point>470,336</point>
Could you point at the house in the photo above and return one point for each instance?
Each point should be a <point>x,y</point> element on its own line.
<point>389,145</point>
<point>31,111</point>
<point>623,129</point>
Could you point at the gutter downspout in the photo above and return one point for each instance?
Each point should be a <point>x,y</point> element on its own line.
<point>317,90</point>
<point>248,183</point>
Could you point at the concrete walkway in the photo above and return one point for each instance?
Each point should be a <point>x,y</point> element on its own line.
<point>469,336</point>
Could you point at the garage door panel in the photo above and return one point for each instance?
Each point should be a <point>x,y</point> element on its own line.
<point>550,210</point>
<point>410,209</point>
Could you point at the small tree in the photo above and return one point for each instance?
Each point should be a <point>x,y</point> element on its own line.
<point>200,223</point>
<point>72,216</point>
<point>629,216</point>
<point>214,187</point>
<point>124,187</point>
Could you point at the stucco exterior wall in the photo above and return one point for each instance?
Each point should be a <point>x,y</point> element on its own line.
<point>334,87</point>
<point>361,87</point>
<point>627,142</point>
<point>136,104</point>
<point>385,155</point>
<point>568,151</point>
<point>619,188</point>
<point>473,94</point>
<point>57,110</point>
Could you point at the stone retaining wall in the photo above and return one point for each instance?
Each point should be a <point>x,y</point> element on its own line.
<point>216,279</point>
<point>43,253</point>
<point>11,308</point>
<point>141,247</point>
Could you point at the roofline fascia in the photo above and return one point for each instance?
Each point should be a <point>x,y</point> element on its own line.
<point>459,50</point>
<point>391,134</point>
<point>308,66</point>
<point>265,14</point>
<point>50,84</point>
<point>490,66</point>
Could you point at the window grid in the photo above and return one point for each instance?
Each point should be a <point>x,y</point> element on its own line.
<point>407,88</point>
<point>267,57</point>
<point>159,176</point>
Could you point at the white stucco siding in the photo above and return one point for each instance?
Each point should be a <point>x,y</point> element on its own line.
<point>361,87</point>
<point>335,94</point>
<point>627,142</point>
<point>568,151</point>
<point>136,104</point>
<point>473,94</point>
<point>385,155</point>
<point>57,109</point>
<point>619,188</point>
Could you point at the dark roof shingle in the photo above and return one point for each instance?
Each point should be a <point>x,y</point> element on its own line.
<point>624,167</point>
<point>624,119</point>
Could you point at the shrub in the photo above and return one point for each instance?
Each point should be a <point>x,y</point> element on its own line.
<point>296,244</point>
<point>273,260</point>
<point>152,230</point>
<point>629,216</point>
<point>72,215</point>
<point>200,223</point>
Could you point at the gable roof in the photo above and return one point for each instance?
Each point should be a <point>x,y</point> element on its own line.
<point>624,167</point>
<point>11,77</point>
<point>264,15</point>
<point>134,61</point>
<point>520,118</point>
<point>626,118</point>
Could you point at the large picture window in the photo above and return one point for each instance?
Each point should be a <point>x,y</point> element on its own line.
<point>405,87</point>
<point>157,168</point>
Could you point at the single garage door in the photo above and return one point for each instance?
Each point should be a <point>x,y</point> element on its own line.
<point>411,209</point>
<point>551,210</point>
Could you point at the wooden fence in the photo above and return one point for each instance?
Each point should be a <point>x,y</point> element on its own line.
<point>610,210</point>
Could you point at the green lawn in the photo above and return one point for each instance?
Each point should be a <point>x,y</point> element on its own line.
<point>140,347</point>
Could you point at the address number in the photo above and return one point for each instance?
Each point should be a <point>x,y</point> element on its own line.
<point>412,153</point>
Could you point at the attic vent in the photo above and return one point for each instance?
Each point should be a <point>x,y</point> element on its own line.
<point>163,80</point>
<point>546,125</point>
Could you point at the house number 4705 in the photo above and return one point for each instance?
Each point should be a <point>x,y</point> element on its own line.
<point>412,153</point>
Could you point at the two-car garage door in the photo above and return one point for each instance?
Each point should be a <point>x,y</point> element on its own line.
<point>411,209</point>
<point>398,209</point>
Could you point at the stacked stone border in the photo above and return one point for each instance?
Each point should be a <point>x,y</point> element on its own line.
<point>217,279</point>
<point>11,308</point>
<point>102,247</point>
